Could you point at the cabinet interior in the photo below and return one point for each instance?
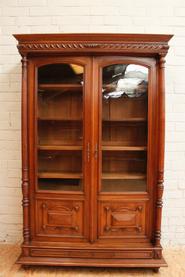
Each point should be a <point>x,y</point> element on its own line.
<point>124,127</point>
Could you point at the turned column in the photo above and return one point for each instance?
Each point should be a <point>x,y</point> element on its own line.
<point>25,177</point>
<point>161,128</point>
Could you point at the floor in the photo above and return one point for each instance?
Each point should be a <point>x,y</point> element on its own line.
<point>9,253</point>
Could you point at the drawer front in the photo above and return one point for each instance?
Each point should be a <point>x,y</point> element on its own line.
<point>122,219</point>
<point>91,253</point>
<point>59,218</point>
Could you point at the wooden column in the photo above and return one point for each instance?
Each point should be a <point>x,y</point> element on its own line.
<point>160,181</point>
<point>25,177</point>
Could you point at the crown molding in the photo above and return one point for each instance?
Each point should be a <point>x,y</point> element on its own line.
<point>144,44</point>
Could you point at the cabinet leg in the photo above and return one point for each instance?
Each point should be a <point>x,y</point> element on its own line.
<point>156,269</point>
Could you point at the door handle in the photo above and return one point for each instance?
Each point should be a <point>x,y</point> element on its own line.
<point>88,151</point>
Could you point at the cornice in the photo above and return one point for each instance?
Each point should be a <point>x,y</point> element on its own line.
<point>138,44</point>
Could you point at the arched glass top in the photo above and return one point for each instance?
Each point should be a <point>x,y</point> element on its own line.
<point>61,73</point>
<point>125,80</point>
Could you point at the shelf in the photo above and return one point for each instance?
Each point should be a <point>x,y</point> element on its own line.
<point>60,119</point>
<point>60,147</point>
<point>130,175</point>
<point>71,87</point>
<point>134,119</point>
<point>104,148</point>
<point>59,175</point>
<point>123,148</point>
<point>105,176</point>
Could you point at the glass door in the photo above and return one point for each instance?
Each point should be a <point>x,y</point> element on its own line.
<point>127,107</point>
<point>124,128</point>
<point>60,128</point>
<point>59,98</point>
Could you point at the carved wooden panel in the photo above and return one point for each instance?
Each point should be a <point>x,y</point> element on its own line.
<point>62,218</point>
<point>122,219</point>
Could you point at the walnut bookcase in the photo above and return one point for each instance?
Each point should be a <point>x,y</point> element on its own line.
<point>92,149</point>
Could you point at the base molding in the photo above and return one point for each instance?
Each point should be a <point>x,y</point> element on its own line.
<point>127,263</point>
<point>147,256</point>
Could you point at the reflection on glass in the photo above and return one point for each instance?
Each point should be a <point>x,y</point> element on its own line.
<point>126,80</point>
<point>60,127</point>
<point>124,128</point>
<point>61,73</point>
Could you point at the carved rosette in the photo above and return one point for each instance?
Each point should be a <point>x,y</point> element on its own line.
<point>25,176</point>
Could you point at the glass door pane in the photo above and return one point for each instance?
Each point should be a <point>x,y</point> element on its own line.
<point>60,127</point>
<point>124,128</point>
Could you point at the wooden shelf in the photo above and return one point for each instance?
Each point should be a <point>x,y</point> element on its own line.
<point>71,87</point>
<point>59,175</point>
<point>130,175</point>
<point>60,147</point>
<point>60,119</point>
<point>104,148</point>
<point>105,176</point>
<point>123,148</point>
<point>132,119</point>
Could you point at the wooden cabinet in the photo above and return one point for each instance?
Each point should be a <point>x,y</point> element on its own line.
<point>92,149</point>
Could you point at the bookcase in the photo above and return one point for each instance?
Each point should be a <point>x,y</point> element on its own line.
<point>92,149</point>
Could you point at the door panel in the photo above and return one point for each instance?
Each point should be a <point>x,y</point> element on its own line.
<point>126,146</point>
<point>60,218</point>
<point>60,132</point>
<point>122,219</point>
